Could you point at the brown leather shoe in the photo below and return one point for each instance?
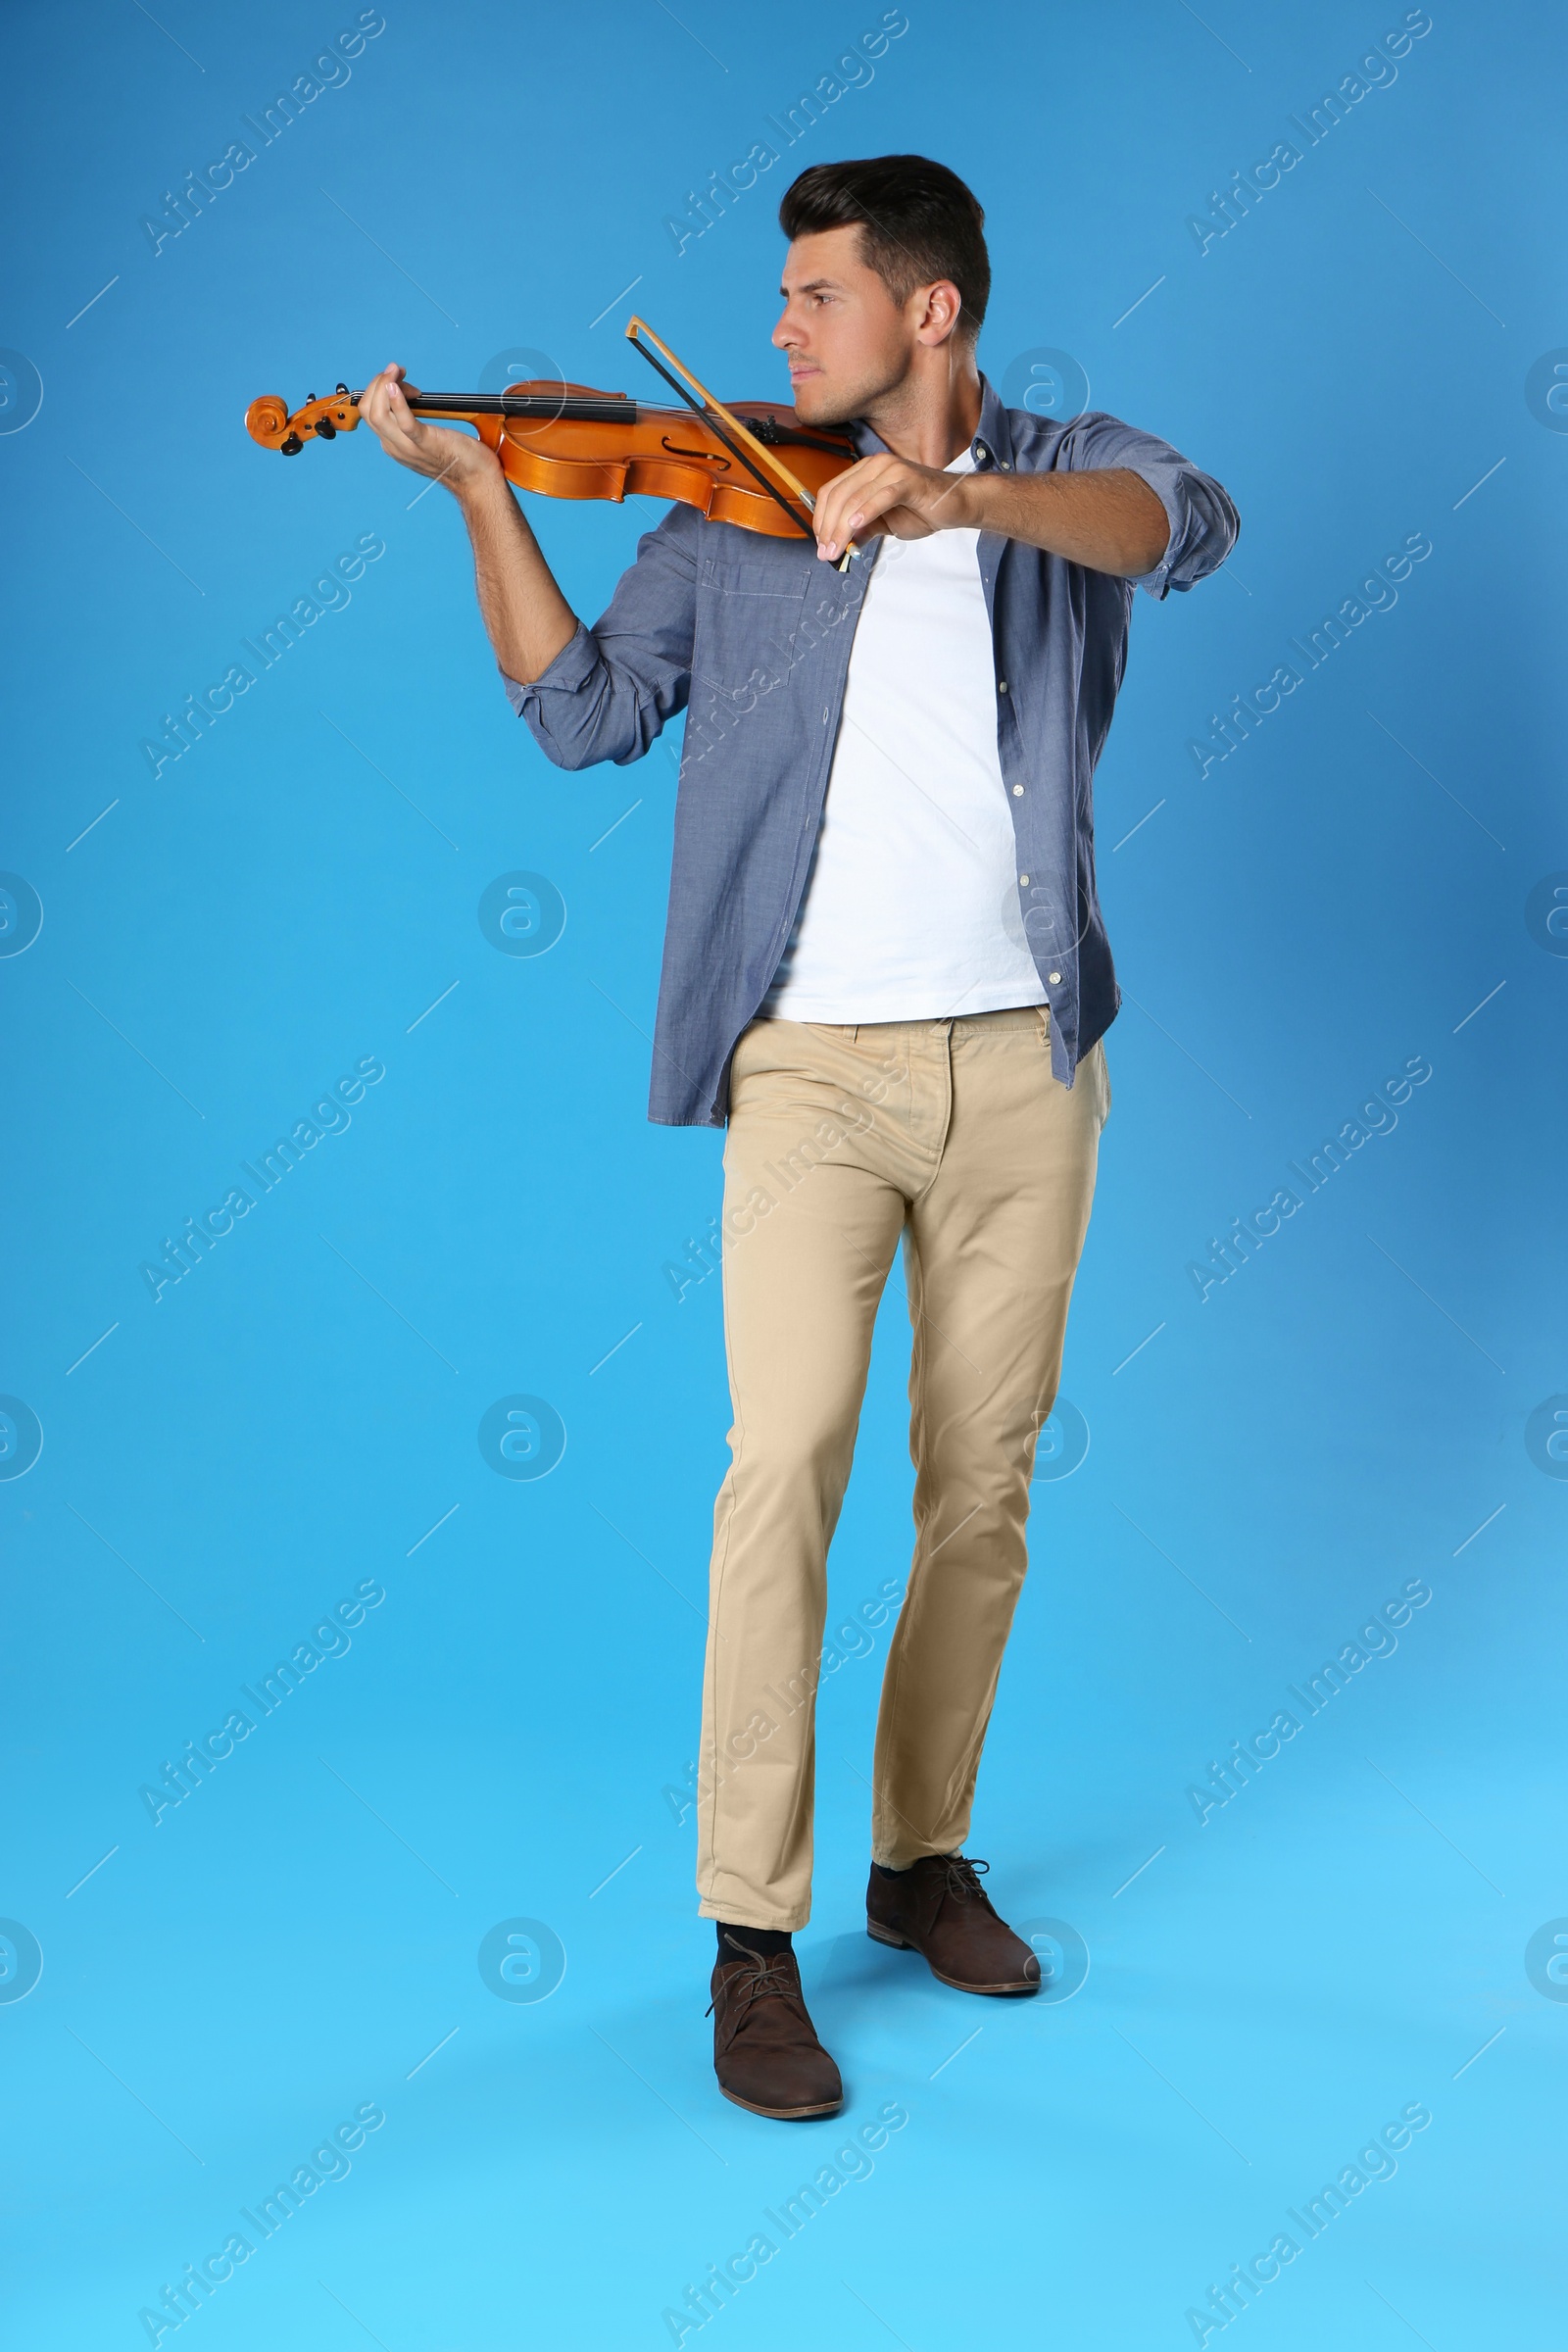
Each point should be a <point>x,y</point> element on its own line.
<point>940,1909</point>
<point>766,2051</point>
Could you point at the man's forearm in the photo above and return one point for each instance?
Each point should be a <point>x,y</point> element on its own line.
<point>527,618</point>
<point>1107,519</point>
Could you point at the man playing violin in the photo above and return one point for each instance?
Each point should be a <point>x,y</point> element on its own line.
<point>887,976</point>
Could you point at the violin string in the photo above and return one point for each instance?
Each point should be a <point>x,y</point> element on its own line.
<point>608,408</point>
<point>600,408</point>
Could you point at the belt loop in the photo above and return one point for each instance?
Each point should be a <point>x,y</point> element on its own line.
<point>1044,1011</point>
<point>855,1031</point>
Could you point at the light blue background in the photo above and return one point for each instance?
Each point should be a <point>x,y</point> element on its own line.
<point>290,1420</point>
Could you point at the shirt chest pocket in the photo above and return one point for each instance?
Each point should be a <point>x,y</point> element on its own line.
<point>768,573</point>
<point>750,610</point>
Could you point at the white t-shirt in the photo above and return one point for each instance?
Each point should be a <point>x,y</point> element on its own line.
<point>911,910</point>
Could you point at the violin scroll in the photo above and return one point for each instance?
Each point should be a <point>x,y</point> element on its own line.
<point>269,422</point>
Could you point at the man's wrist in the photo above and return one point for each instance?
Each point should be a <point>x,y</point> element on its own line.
<point>480,486</point>
<point>974,501</point>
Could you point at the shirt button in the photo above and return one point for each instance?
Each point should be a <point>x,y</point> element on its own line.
<point>1006,467</point>
<point>1017,791</point>
<point>1002,685</point>
<point>1023,880</point>
<point>1054,977</point>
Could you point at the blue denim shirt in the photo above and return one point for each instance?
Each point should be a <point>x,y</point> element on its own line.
<point>751,636</point>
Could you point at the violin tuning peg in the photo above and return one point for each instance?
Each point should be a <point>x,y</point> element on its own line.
<point>291,447</point>
<point>343,388</point>
<point>325,431</point>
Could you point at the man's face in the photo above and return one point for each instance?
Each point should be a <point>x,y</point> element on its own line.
<point>849,343</point>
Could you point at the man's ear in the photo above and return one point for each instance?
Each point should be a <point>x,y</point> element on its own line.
<point>943,306</point>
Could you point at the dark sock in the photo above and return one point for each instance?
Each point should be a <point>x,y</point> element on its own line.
<point>768,1942</point>
<point>883,1872</point>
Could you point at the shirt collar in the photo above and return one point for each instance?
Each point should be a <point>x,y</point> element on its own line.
<point>994,434</point>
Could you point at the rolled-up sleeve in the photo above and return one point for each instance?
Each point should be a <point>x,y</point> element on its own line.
<point>611,688</point>
<point>1204,522</point>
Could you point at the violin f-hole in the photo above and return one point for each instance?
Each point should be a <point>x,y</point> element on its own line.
<point>708,457</point>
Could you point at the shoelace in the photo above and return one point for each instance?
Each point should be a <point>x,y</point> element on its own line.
<point>962,1879</point>
<point>766,1979</point>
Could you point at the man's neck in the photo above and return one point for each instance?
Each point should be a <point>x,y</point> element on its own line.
<point>931,417</point>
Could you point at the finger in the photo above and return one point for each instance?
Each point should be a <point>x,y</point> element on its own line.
<point>401,419</point>
<point>854,509</point>
<point>862,492</point>
<point>375,407</point>
<point>396,429</point>
<point>828,518</point>
<point>388,415</point>
<point>831,499</point>
<point>392,432</point>
<point>824,519</point>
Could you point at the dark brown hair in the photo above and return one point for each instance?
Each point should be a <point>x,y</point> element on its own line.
<point>917,222</point>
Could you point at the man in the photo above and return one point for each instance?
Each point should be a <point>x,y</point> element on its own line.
<point>885,971</point>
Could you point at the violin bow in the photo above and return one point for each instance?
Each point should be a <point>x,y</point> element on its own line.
<point>708,404</point>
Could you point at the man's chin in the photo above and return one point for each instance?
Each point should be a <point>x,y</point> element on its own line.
<point>818,403</point>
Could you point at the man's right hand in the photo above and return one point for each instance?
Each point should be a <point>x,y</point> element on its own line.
<point>459,460</point>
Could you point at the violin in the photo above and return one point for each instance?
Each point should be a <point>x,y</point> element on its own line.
<point>749,463</point>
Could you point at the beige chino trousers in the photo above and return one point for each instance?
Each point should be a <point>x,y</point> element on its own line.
<point>954,1135</point>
